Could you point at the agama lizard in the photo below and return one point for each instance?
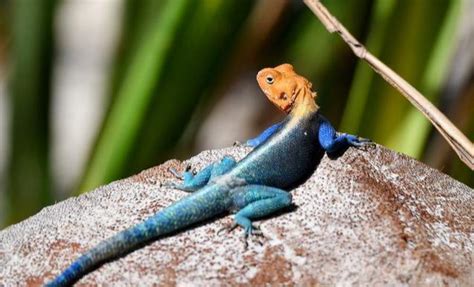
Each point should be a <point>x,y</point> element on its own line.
<point>284,156</point>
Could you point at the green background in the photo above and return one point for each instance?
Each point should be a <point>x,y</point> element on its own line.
<point>176,59</point>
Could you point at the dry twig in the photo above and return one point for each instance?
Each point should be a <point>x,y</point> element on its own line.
<point>458,141</point>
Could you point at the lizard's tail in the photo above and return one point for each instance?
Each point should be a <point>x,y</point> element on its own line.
<point>117,245</point>
<point>190,210</point>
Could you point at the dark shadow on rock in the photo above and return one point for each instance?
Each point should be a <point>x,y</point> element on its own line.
<point>292,208</point>
<point>338,153</point>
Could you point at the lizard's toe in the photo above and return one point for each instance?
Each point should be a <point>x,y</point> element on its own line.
<point>251,233</point>
<point>237,143</point>
<point>169,184</point>
<point>254,234</point>
<point>255,231</point>
<point>359,142</point>
<point>188,167</point>
<point>227,228</point>
<point>175,173</point>
<point>366,143</point>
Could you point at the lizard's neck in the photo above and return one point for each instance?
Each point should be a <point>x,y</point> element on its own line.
<point>304,104</point>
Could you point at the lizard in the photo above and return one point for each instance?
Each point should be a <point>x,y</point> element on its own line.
<point>283,157</point>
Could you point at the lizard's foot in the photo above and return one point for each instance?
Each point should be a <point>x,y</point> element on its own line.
<point>365,144</point>
<point>175,173</point>
<point>358,142</point>
<point>171,184</point>
<point>251,232</point>
<point>228,228</point>
<point>178,186</point>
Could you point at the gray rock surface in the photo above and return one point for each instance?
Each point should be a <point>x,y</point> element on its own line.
<point>369,217</point>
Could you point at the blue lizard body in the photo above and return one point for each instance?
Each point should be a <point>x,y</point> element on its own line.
<point>284,156</point>
<point>271,163</point>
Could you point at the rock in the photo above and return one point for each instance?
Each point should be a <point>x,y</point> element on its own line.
<point>369,217</point>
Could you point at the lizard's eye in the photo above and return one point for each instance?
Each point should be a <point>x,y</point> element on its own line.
<point>269,80</point>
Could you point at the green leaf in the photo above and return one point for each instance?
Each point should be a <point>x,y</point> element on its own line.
<point>362,83</point>
<point>28,182</point>
<point>134,95</point>
<point>197,60</point>
<point>411,135</point>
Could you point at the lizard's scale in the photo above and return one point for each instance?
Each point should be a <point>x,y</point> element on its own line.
<point>285,155</point>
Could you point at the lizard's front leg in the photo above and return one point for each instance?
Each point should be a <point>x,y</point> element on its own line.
<point>332,142</point>
<point>192,182</point>
<point>263,136</point>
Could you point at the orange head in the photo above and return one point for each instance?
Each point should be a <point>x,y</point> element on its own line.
<point>285,88</point>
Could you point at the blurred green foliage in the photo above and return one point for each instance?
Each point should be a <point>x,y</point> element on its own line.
<point>173,54</point>
<point>134,93</point>
<point>28,177</point>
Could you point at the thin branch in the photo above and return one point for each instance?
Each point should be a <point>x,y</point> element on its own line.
<point>458,141</point>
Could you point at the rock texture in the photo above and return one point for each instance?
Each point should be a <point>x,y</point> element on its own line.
<point>370,217</point>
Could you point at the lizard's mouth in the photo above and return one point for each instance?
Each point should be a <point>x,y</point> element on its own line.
<point>287,105</point>
<point>284,105</point>
<point>287,108</point>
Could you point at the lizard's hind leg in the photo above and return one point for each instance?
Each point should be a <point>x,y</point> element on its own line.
<point>257,201</point>
<point>192,182</point>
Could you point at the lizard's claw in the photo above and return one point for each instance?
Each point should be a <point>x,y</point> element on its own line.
<point>253,230</point>
<point>365,143</point>
<point>253,233</point>
<point>175,173</point>
<point>188,168</point>
<point>250,233</point>
<point>228,228</point>
<point>359,142</point>
<point>169,184</point>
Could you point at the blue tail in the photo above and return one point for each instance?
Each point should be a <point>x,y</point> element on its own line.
<point>197,207</point>
<point>117,245</point>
